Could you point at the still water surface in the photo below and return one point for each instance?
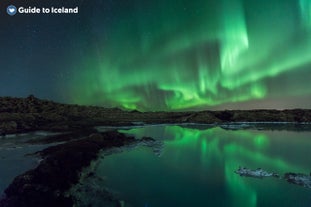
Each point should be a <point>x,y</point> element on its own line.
<point>15,156</point>
<point>197,164</point>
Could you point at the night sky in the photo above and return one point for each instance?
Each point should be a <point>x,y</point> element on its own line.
<point>161,54</point>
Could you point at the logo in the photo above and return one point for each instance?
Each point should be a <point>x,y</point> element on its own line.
<point>11,10</point>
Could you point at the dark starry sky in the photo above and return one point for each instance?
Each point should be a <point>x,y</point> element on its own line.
<point>160,55</point>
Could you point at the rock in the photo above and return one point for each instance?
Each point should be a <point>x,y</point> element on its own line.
<point>96,136</point>
<point>90,191</point>
<point>58,171</point>
<point>155,145</point>
<point>7,127</point>
<point>293,178</point>
<point>258,173</point>
<point>298,179</point>
<point>226,116</point>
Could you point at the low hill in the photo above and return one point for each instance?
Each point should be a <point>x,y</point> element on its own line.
<point>19,115</point>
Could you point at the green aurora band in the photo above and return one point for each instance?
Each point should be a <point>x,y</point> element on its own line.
<point>178,55</point>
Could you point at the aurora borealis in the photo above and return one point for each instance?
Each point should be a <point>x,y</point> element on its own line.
<point>171,55</point>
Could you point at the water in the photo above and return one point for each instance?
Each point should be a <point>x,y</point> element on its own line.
<point>197,164</point>
<point>15,158</point>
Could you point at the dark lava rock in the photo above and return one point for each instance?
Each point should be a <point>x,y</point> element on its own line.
<point>8,126</point>
<point>293,178</point>
<point>225,116</point>
<point>258,173</point>
<point>298,179</point>
<point>45,185</point>
<point>90,191</point>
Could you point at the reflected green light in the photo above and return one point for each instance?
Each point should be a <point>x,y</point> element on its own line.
<point>231,149</point>
<point>305,6</point>
<point>249,144</point>
<point>242,195</point>
<point>261,141</point>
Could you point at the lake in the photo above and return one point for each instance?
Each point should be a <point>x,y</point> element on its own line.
<point>190,165</point>
<point>196,167</point>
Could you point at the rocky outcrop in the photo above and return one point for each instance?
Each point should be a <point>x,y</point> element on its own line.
<point>58,171</point>
<point>258,173</point>
<point>90,191</point>
<point>298,179</point>
<point>156,145</point>
<point>293,178</point>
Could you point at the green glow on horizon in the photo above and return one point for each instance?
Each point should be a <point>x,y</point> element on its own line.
<point>195,54</point>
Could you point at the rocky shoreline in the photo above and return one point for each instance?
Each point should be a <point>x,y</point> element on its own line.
<point>20,115</point>
<point>60,169</point>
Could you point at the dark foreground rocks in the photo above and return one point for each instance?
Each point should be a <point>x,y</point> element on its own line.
<point>46,185</point>
<point>19,115</point>
<point>293,178</point>
<point>258,173</point>
<point>298,179</point>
